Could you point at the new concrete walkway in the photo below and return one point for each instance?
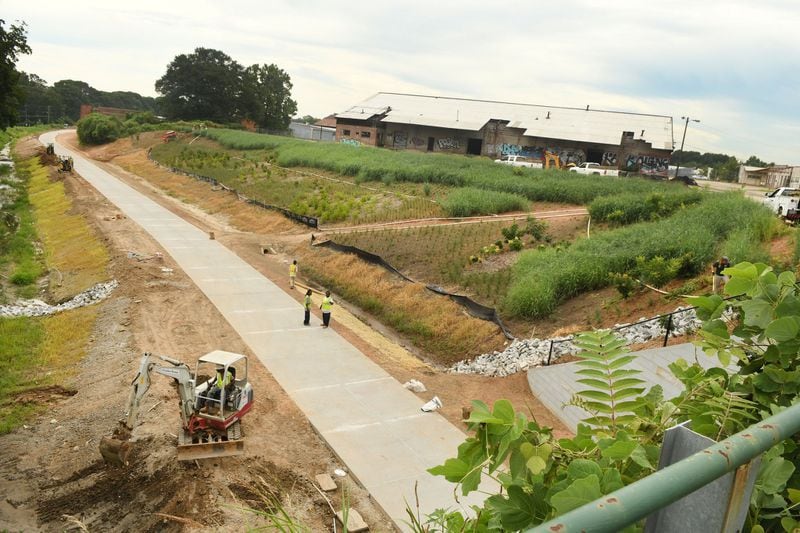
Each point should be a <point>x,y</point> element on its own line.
<point>556,384</point>
<point>370,421</point>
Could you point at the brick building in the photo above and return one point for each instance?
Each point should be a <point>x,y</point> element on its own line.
<point>629,141</point>
<point>87,109</point>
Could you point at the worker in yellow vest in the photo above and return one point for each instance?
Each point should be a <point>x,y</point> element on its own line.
<point>292,273</point>
<point>307,307</point>
<point>326,305</point>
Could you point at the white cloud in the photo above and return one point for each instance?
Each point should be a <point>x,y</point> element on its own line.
<point>732,64</point>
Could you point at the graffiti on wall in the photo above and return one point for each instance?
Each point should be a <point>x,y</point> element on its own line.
<point>400,139</point>
<point>537,152</point>
<point>647,164</point>
<point>609,159</point>
<point>350,142</point>
<point>448,143</point>
<point>416,141</point>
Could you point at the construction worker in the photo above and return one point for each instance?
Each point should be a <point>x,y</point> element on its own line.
<point>326,305</point>
<point>307,306</point>
<point>718,279</point>
<point>223,380</point>
<point>292,273</point>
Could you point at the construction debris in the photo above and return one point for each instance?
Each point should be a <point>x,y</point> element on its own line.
<point>354,521</point>
<point>325,482</point>
<point>414,386</point>
<point>432,405</point>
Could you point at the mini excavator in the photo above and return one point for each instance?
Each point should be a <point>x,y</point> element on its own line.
<point>210,415</point>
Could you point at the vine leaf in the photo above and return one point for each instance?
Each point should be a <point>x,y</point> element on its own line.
<point>579,492</point>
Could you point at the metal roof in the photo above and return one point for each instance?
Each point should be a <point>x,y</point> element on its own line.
<point>221,357</point>
<point>550,122</point>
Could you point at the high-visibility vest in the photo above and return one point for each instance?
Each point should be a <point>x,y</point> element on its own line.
<point>292,269</point>
<point>308,302</point>
<point>327,302</point>
<point>223,382</point>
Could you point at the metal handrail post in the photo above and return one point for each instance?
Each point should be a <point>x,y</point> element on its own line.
<point>630,504</point>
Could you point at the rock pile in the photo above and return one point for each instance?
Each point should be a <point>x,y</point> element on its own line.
<point>525,353</point>
<point>28,308</point>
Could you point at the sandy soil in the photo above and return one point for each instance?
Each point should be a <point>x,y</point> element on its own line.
<point>52,468</point>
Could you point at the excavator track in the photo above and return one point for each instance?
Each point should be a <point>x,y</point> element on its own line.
<point>211,445</point>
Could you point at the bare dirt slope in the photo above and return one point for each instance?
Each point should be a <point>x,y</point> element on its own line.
<point>52,470</point>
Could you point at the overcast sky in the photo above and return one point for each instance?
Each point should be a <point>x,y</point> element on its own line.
<point>733,64</point>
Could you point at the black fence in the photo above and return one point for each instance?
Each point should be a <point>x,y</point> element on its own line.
<point>311,222</point>
<point>472,307</point>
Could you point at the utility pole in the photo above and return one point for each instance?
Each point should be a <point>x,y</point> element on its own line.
<point>685,126</point>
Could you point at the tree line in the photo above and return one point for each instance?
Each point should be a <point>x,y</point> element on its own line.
<point>206,84</point>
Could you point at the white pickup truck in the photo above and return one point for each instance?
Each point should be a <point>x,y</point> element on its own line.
<point>595,169</point>
<point>784,202</point>
<point>518,161</point>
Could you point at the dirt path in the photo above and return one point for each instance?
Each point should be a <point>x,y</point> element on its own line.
<point>425,222</point>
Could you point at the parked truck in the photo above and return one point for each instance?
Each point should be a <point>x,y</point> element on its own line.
<point>783,201</point>
<point>594,169</point>
<point>518,161</point>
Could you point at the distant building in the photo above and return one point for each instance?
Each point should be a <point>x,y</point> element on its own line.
<point>770,177</point>
<point>312,132</point>
<point>87,109</point>
<point>629,141</point>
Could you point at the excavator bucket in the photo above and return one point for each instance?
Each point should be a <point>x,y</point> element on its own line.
<point>116,448</point>
<point>211,445</point>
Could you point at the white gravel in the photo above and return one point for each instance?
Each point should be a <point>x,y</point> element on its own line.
<point>525,353</point>
<point>30,308</point>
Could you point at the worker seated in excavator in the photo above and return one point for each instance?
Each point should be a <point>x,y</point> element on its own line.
<point>223,380</point>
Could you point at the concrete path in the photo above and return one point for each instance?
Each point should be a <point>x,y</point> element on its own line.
<point>366,416</point>
<point>556,384</point>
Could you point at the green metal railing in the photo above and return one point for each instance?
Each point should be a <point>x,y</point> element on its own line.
<point>630,504</point>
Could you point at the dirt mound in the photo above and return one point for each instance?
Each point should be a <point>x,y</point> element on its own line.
<point>102,498</point>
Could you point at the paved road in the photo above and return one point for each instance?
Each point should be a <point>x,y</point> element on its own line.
<point>369,420</point>
<point>556,384</point>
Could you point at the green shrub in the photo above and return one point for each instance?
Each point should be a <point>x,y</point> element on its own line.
<point>510,232</point>
<point>544,278</point>
<point>99,129</point>
<point>536,228</point>
<point>470,201</point>
<point>624,283</point>
<point>657,271</point>
<point>628,208</point>
<point>515,244</point>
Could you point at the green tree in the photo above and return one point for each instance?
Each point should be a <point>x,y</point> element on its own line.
<point>203,85</point>
<point>13,42</point>
<point>41,103</point>
<point>727,171</point>
<point>753,161</point>
<point>98,129</point>
<point>73,94</point>
<point>266,96</point>
<point>308,119</point>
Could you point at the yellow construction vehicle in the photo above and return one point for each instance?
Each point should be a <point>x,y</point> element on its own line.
<point>551,160</point>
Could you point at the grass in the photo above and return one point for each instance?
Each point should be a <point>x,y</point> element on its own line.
<point>543,279</point>
<point>38,352</point>
<point>469,201</point>
<point>434,324</point>
<point>434,253</point>
<point>331,200</point>
<point>374,164</point>
<point>629,208</point>
<point>71,249</point>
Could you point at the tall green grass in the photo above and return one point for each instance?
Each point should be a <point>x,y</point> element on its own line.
<point>545,278</point>
<point>377,164</point>
<point>628,208</point>
<point>469,201</point>
<point>20,339</point>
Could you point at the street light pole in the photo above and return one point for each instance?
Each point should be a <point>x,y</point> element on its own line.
<point>685,127</point>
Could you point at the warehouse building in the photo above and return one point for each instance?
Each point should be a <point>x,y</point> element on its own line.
<point>628,141</point>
